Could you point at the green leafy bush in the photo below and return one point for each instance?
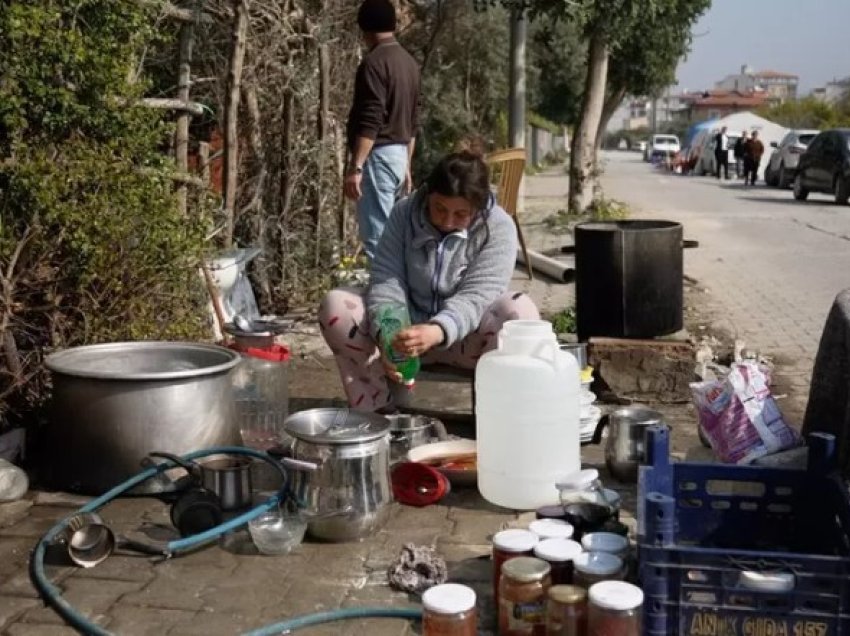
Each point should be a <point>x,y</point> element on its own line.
<point>93,246</point>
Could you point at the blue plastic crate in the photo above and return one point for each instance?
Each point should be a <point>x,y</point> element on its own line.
<point>702,525</point>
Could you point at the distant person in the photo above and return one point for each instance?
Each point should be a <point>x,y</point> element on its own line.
<point>739,153</point>
<point>753,151</point>
<point>721,152</point>
<point>382,123</point>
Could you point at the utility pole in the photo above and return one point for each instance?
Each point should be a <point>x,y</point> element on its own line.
<point>516,100</point>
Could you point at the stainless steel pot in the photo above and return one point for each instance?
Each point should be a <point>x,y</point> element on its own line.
<point>409,431</point>
<point>347,492</point>
<point>624,449</point>
<point>115,403</point>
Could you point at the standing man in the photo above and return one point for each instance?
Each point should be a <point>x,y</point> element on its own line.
<point>721,152</point>
<point>753,151</point>
<point>739,154</point>
<point>382,123</point>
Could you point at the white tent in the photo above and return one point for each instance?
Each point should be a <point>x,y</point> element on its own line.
<point>746,120</point>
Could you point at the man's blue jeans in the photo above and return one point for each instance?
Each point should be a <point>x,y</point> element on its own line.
<point>383,178</point>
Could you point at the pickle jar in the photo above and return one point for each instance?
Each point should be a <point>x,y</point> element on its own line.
<point>594,567</point>
<point>522,597</point>
<point>566,611</point>
<point>551,529</point>
<point>449,610</point>
<point>614,609</point>
<point>559,554</point>
<point>509,544</point>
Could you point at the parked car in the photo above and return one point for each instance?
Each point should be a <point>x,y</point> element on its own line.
<point>662,146</point>
<point>825,166</point>
<point>641,146</point>
<point>707,162</point>
<point>783,162</point>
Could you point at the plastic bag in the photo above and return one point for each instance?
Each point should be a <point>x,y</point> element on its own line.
<point>739,416</point>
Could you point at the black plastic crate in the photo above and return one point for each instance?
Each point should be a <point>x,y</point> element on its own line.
<point>704,528</point>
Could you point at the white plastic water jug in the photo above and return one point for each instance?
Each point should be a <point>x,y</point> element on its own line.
<point>527,416</point>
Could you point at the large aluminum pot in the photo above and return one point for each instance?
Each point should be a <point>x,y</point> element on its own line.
<point>115,403</point>
<point>347,491</point>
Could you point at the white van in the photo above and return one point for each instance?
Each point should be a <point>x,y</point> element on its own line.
<point>662,146</point>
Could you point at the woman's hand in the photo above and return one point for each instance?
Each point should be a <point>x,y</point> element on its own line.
<point>418,339</point>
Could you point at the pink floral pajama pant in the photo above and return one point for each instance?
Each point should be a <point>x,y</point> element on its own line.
<point>345,327</point>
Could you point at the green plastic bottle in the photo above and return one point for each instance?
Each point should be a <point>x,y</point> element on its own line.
<point>392,319</point>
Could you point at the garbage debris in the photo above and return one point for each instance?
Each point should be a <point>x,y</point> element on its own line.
<point>14,482</point>
<point>416,569</point>
<point>740,417</point>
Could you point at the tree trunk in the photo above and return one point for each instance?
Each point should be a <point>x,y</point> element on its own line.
<point>612,103</point>
<point>181,133</point>
<point>321,135</point>
<point>231,116</point>
<point>582,159</point>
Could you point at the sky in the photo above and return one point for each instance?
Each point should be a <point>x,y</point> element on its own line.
<point>809,38</point>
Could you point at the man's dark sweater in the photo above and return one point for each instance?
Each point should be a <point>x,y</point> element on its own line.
<point>386,96</point>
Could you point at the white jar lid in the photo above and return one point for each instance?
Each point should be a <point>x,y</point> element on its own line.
<point>556,550</point>
<point>615,595</point>
<point>515,540</point>
<point>448,598</point>
<point>551,529</point>
<point>605,542</point>
<point>578,480</point>
<point>598,563</point>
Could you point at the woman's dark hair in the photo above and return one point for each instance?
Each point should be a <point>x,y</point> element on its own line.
<point>462,174</point>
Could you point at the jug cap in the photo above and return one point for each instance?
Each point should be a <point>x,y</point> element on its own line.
<point>578,480</point>
<point>556,550</point>
<point>449,598</point>
<point>336,426</point>
<point>617,596</point>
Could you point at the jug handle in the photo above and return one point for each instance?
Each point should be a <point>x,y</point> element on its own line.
<point>600,427</point>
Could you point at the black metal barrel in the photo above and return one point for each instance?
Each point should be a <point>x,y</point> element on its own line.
<point>628,278</point>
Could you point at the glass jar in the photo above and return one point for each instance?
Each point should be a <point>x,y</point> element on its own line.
<point>550,512</point>
<point>261,394</point>
<point>559,554</point>
<point>522,597</point>
<point>582,486</point>
<point>614,609</point>
<point>566,611</point>
<point>509,544</point>
<point>551,529</point>
<point>449,610</point>
<point>606,542</point>
<point>594,567</point>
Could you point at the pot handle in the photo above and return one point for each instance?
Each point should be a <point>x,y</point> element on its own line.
<point>195,471</point>
<point>298,464</point>
<point>440,429</point>
<point>600,426</point>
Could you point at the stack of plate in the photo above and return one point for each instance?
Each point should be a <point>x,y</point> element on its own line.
<point>589,414</point>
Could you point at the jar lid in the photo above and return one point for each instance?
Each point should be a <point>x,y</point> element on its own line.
<point>336,426</point>
<point>578,480</point>
<point>605,542</point>
<point>526,569</point>
<point>567,593</point>
<point>551,528</point>
<point>515,540</point>
<point>557,550</point>
<point>550,512</point>
<point>448,598</point>
<point>615,595</point>
<point>598,563</point>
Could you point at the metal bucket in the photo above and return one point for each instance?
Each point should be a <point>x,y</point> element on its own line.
<point>113,404</point>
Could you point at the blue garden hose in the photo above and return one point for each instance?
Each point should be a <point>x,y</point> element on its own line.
<point>53,596</point>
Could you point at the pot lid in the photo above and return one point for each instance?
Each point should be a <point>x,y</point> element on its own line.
<point>336,426</point>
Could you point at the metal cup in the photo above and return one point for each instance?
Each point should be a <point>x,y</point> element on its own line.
<point>88,539</point>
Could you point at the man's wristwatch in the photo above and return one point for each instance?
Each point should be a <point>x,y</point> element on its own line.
<point>355,170</point>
